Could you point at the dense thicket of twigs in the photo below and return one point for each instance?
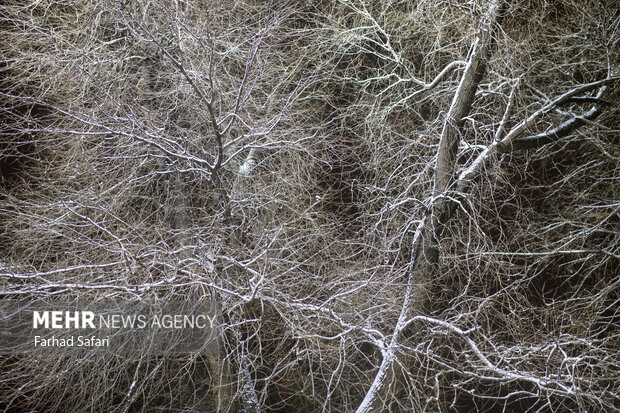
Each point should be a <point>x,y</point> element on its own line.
<point>279,157</point>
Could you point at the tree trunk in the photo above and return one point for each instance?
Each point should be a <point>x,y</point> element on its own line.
<point>424,258</point>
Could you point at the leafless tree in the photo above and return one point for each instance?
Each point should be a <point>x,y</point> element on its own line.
<point>397,206</point>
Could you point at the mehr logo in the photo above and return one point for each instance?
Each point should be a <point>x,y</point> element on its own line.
<point>86,319</point>
<point>63,319</point>
<point>122,327</point>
